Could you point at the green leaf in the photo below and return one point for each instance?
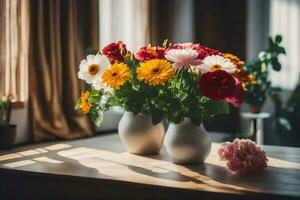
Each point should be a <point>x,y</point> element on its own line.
<point>278,38</point>
<point>95,93</point>
<point>280,50</point>
<point>165,43</point>
<point>275,64</point>
<point>157,116</point>
<point>271,43</point>
<point>285,123</point>
<point>128,60</point>
<point>204,99</point>
<point>97,117</point>
<point>196,120</point>
<point>113,101</point>
<point>217,108</point>
<point>78,104</point>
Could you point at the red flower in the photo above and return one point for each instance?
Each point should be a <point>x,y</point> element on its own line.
<point>115,52</point>
<point>149,53</point>
<point>202,51</point>
<point>219,85</point>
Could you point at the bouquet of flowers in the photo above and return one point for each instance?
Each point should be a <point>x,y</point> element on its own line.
<point>171,81</point>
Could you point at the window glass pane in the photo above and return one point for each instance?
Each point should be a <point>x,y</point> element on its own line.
<point>285,20</point>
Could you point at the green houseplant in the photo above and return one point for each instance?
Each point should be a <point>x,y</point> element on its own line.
<point>7,130</point>
<point>287,115</point>
<point>260,86</point>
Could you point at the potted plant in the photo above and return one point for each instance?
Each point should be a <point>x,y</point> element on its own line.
<point>134,82</point>
<point>206,81</point>
<point>260,85</point>
<point>7,131</point>
<point>287,116</point>
<point>184,83</point>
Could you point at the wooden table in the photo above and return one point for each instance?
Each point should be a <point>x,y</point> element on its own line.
<point>100,168</point>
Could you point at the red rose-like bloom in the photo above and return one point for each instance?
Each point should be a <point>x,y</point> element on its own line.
<point>149,53</point>
<point>202,51</point>
<point>115,52</point>
<point>219,85</point>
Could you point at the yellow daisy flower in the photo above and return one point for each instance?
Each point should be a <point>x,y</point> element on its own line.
<point>85,105</point>
<point>155,72</point>
<point>115,76</point>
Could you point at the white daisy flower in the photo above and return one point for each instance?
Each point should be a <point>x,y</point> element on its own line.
<point>216,62</point>
<point>92,68</point>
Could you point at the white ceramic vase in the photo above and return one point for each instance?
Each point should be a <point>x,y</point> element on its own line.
<point>187,143</point>
<point>139,135</point>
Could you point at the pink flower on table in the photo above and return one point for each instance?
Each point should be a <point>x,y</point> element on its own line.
<point>243,156</point>
<point>184,55</point>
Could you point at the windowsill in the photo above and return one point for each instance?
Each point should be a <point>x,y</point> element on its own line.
<point>17,105</point>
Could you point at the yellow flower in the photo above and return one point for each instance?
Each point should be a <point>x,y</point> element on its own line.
<point>155,72</point>
<point>85,105</point>
<point>115,76</point>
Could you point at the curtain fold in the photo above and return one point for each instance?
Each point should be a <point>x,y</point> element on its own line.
<point>60,32</point>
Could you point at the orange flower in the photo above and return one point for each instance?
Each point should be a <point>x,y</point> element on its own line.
<point>234,59</point>
<point>85,105</point>
<point>240,72</point>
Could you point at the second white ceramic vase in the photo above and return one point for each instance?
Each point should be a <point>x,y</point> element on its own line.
<point>187,143</point>
<point>139,135</point>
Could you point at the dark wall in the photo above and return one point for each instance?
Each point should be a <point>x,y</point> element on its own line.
<point>221,25</point>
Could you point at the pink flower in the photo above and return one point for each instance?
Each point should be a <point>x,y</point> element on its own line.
<point>237,97</point>
<point>243,156</point>
<point>183,55</point>
<point>188,54</point>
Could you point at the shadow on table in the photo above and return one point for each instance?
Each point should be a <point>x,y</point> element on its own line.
<point>155,169</point>
<point>281,178</point>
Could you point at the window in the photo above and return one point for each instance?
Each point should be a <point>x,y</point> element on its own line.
<point>14,47</point>
<point>285,20</point>
<point>127,21</point>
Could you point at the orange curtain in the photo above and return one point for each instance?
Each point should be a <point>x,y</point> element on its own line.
<point>60,32</point>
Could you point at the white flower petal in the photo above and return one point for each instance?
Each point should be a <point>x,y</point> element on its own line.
<point>90,58</point>
<point>209,61</point>
<point>99,60</point>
